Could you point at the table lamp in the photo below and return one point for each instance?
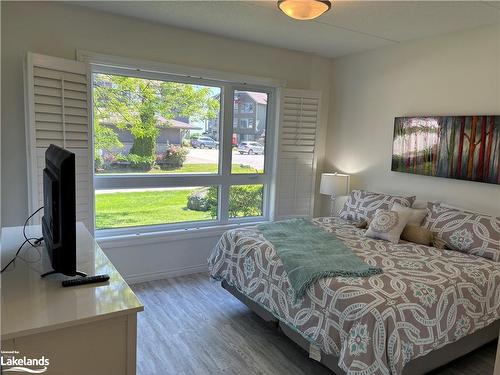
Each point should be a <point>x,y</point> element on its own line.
<point>334,184</point>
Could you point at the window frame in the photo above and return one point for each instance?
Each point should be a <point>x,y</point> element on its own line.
<point>223,179</point>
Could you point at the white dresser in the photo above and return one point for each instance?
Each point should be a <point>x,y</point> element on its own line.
<point>88,329</point>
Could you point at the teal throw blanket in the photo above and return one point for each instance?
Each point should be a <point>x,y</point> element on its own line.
<point>310,253</point>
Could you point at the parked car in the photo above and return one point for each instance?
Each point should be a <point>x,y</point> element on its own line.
<point>250,148</point>
<point>204,142</point>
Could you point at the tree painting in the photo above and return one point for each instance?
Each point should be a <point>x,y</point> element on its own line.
<point>461,147</point>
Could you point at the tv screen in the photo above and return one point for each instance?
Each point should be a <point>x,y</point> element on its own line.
<point>59,219</point>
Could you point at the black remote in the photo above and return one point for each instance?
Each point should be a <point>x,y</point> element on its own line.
<point>86,280</point>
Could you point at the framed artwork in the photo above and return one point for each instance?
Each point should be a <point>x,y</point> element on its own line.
<point>460,147</point>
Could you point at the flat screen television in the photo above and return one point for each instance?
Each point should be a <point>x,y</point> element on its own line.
<point>59,218</point>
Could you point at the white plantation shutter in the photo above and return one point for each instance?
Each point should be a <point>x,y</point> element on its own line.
<point>57,112</point>
<point>296,171</point>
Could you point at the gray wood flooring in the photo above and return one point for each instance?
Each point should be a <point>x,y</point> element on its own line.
<point>191,325</point>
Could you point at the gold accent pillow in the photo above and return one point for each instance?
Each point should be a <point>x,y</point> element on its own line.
<point>439,243</point>
<point>417,234</point>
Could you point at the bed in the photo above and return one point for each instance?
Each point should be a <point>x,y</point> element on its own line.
<point>428,306</point>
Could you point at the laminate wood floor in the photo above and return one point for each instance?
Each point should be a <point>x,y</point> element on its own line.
<point>191,325</point>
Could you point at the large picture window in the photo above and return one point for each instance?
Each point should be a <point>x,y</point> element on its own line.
<point>173,151</point>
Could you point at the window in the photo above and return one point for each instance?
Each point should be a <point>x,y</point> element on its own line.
<point>152,126</point>
<point>244,123</point>
<point>247,108</point>
<point>117,208</point>
<point>167,151</point>
<point>251,151</point>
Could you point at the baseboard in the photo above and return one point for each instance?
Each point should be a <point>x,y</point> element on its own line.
<point>158,275</point>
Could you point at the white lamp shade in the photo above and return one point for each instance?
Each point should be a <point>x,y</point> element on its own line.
<point>334,184</point>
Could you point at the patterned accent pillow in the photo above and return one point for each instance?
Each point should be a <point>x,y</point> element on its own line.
<point>362,204</point>
<point>387,225</point>
<point>464,231</point>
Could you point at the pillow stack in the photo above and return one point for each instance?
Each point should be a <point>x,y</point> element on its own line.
<point>391,218</point>
<point>400,223</point>
<point>387,214</point>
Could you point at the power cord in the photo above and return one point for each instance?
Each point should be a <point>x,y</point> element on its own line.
<point>36,243</point>
<point>18,251</point>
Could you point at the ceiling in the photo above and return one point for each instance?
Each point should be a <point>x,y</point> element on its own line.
<point>349,27</point>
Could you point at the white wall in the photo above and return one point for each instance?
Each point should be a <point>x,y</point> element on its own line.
<point>59,30</point>
<point>454,74</point>
<point>154,257</point>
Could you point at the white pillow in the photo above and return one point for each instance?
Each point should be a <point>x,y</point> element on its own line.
<point>415,215</point>
<point>419,204</point>
<point>387,225</point>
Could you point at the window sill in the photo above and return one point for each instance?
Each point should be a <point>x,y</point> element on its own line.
<point>151,237</point>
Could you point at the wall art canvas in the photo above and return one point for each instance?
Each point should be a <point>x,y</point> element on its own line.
<point>461,147</point>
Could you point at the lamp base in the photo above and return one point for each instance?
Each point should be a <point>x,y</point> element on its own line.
<point>333,198</point>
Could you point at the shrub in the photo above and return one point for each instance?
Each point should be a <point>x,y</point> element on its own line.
<point>244,200</point>
<point>212,199</point>
<point>173,157</point>
<point>144,146</point>
<point>198,200</point>
<point>119,158</point>
<point>98,163</point>
<point>105,161</point>
<point>109,158</point>
<point>142,163</point>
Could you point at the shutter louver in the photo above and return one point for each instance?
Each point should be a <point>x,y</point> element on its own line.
<point>299,119</point>
<point>58,113</point>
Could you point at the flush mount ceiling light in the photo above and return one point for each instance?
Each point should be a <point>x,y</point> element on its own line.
<point>304,9</point>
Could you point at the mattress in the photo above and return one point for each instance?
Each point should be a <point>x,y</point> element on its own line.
<point>425,299</point>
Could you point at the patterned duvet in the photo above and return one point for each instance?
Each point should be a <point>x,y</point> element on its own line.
<point>425,299</point>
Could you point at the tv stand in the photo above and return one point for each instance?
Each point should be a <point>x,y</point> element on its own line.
<point>78,273</point>
<point>91,330</point>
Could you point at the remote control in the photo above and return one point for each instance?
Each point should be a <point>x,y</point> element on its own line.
<point>85,280</point>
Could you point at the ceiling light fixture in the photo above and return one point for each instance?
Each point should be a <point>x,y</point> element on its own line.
<point>304,9</point>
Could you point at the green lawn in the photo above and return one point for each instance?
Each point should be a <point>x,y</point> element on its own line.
<point>117,210</point>
<point>208,168</point>
<point>195,168</point>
